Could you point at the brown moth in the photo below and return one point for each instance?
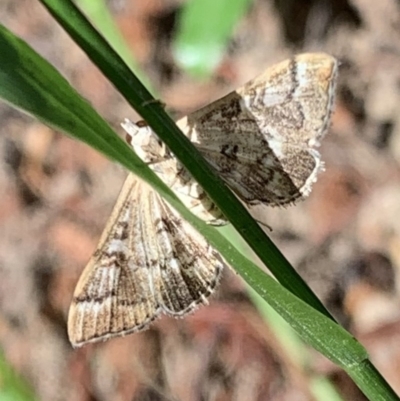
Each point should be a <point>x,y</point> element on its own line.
<point>261,139</point>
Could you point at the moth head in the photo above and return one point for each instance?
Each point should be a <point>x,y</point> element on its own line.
<point>144,141</point>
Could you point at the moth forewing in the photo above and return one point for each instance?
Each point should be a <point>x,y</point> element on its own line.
<point>300,92</point>
<point>149,261</point>
<point>262,138</point>
<point>111,298</point>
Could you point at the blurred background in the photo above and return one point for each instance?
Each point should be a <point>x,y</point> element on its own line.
<point>56,195</point>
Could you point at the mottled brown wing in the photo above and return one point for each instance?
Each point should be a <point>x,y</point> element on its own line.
<point>114,296</point>
<point>189,268</point>
<point>262,138</point>
<point>149,260</point>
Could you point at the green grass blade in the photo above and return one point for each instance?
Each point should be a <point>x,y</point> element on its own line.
<point>323,390</point>
<point>203,32</point>
<point>102,19</point>
<point>12,386</point>
<point>28,82</point>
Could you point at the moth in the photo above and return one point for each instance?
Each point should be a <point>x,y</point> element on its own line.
<point>261,138</point>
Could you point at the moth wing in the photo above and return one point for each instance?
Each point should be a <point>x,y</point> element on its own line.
<point>255,135</point>
<point>267,178</point>
<point>114,295</point>
<point>293,100</point>
<point>149,260</point>
<point>189,268</point>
